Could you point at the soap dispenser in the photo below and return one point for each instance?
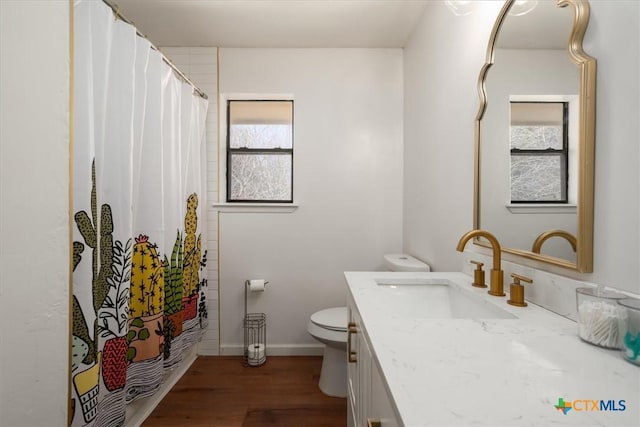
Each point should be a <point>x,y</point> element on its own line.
<point>516,291</point>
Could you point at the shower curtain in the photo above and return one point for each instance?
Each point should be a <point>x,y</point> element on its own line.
<point>138,249</point>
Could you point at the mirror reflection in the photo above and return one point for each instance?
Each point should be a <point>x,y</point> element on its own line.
<point>530,137</point>
<point>539,142</point>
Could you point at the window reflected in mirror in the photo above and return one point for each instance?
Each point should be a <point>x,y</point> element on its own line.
<point>539,146</point>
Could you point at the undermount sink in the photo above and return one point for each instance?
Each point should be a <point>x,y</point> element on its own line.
<point>436,299</point>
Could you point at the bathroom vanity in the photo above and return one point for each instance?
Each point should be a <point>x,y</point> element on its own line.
<point>429,349</point>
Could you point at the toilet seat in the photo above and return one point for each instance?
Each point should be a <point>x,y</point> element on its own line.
<point>333,319</point>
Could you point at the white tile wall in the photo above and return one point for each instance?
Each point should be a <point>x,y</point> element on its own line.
<point>200,65</point>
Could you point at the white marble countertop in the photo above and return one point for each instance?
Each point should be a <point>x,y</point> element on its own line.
<point>491,372</point>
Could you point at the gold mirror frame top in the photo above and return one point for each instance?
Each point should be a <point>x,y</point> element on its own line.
<point>586,150</point>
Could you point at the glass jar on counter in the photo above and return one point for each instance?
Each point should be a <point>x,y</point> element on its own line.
<point>600,318</point>
<point>630,330</point>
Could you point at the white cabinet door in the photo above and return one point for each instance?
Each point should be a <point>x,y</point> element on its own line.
<point>381,409</point>
<point>364,373</point>
<point>359,371</point>
<point>368,402</point>
<point>353,384</point>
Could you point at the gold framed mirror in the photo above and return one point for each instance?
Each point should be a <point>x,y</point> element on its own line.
<point>536,59</point>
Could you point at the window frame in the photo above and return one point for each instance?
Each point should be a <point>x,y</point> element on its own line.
<point>563,153</point>
<point>227,152</point>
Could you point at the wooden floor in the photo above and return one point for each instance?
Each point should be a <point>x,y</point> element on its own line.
<point>219,391</point>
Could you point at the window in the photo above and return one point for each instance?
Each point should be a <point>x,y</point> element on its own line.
<point>539,143</point>
<point>260,151</point>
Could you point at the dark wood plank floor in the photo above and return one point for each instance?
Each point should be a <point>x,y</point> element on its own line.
<point>219,391</point>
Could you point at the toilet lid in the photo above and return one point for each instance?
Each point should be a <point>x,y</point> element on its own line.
<point>334,319</point>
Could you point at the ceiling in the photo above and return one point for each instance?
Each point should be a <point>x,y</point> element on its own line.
<point>274,23</point>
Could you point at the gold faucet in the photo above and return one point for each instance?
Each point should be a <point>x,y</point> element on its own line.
<point>537,244</point>
<point>496,284</point>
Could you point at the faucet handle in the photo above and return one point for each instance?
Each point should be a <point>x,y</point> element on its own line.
<point>478,275</point>
<point>516,291</point>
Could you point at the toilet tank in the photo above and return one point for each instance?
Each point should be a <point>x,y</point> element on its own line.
<point>404,262</point>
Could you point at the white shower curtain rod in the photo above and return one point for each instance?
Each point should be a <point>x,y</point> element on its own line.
<point>118,15</point>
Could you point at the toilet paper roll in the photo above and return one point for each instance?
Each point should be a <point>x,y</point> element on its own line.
<point>256,285</point>
<point>256,354</point>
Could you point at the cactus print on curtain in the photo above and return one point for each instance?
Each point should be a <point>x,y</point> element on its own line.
<point>146,305</point>
<point>133,248</point>
<point>185,307</point>
<point>194,255</point>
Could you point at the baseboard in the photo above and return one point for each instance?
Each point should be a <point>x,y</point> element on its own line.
<point>139,410</point>
<point>276,349</point>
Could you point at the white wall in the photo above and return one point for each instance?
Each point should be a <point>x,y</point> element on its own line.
<point>613,38</point>
<point>347,182</point>
<point>440,105</point>
<point>34,218</point>
<point>441,64</point>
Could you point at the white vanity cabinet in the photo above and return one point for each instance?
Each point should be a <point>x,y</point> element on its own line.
<point>369,405</point>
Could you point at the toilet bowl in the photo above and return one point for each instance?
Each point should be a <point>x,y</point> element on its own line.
<point>329,326</point>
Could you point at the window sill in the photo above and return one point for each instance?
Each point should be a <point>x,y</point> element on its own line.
<point>523,208</point>
<point>256,207</point>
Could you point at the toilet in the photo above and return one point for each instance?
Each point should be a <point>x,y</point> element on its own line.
<point>329,326</point>
<point>403,262</point>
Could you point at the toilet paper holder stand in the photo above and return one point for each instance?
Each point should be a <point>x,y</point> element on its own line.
<point>255,334</point>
